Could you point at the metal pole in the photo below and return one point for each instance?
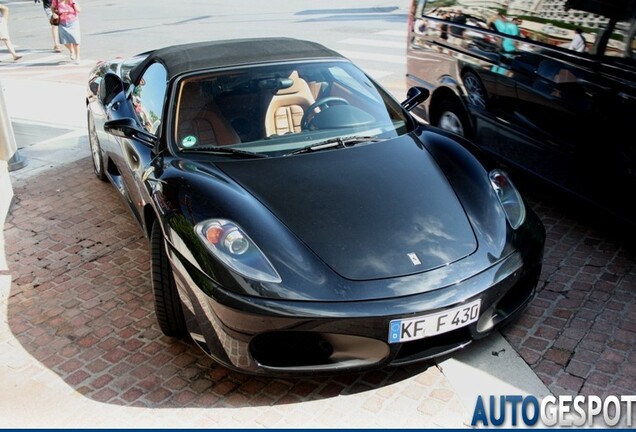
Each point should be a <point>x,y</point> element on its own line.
<point>8,147</point>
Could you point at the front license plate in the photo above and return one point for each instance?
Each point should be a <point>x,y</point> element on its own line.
<point>404,330</point>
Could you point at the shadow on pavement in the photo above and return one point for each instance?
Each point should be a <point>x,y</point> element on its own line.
<point>81,304</point>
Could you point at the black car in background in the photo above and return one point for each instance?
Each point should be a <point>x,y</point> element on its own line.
<point>512,81</point>
<point>300,220</point>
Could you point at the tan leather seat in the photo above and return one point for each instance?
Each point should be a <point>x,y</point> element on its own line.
<point>287,106</point>
<point>201,118</point>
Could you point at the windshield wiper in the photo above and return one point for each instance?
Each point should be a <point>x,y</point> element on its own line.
<point>225,150</point>
<point>333,143</point>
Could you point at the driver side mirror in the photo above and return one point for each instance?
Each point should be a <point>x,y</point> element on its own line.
<point>414,97</point>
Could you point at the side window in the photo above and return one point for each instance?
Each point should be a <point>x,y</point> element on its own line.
<point>622,41</point>
<point>148,97</point>
<point>487,25</point>
<point>109,87</point>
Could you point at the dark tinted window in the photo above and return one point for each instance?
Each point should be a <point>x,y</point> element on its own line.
<point>546,22</point>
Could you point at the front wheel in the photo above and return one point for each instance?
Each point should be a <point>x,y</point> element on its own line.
<point>452,118</point>
<point>96,150</point>
<point>167,304</point>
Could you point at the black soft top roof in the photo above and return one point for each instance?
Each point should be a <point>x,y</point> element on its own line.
<point>206,55</point>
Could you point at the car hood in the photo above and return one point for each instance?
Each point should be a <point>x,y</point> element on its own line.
<point>372,211</point>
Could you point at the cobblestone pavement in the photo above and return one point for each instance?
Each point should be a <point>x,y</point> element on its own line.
<point>579,333</point>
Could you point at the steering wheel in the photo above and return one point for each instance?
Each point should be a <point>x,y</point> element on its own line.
<point>320,103</point>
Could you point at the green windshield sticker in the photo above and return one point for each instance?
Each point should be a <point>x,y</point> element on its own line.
<point>189,141</point>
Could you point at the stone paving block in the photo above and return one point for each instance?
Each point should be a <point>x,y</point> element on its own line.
<point>577,344</point>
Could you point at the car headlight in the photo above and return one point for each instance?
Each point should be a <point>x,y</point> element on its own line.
<point>229,243</point>
<point>509,198</point>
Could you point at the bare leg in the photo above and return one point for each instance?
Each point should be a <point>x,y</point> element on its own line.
<point>75,53</point>
<point>69,47</point>
<point>56,39</point>
<point>9,46</point>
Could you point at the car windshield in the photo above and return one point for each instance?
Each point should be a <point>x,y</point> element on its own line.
<point>277,109</point>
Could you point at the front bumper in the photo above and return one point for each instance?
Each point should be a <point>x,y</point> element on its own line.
<point>277,337</point>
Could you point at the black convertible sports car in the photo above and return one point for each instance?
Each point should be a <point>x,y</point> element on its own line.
<point>300,219</point>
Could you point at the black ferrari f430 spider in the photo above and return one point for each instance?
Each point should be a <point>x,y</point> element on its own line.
<point>300,219</point>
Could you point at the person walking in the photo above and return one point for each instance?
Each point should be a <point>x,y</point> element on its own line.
<point>54,32</point>
<point>508,27</point>
<point>69,28</point>
<point>578,41</point>
<point>4,31</point>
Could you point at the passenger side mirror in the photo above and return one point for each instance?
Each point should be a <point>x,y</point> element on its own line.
<point>414,97</point>
<point>127,128</point>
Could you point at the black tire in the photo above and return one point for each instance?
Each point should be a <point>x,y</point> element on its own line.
<point>96,149</point>
<point>451,116</point>
<point>167,304</point>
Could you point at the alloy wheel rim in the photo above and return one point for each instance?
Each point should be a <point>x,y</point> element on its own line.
<point>94,145</point>
<point>473,91</point>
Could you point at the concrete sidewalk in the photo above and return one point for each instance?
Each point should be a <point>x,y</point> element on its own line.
<point>78,338</point>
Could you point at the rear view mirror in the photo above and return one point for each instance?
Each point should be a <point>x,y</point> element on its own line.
<point>275,84</point>
<point>414,97</point>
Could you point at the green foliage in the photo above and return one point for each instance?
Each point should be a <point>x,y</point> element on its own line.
<point>441,3</point>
